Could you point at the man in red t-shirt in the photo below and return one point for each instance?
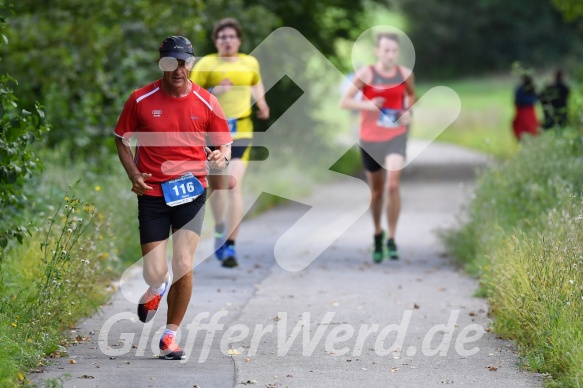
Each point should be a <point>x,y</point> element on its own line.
<point>171,119</point>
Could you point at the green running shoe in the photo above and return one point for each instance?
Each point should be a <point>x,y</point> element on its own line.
<point>392,247</point>
<point>378,250</point>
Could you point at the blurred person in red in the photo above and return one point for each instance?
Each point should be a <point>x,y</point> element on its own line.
<point>525,98</point>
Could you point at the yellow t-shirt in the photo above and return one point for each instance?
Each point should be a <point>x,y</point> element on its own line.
<point>210,70</point>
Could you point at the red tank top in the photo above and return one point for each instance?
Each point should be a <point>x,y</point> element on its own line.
<point>381,126</point>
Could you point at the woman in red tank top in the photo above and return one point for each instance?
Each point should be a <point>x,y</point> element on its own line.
<point>388,92</point>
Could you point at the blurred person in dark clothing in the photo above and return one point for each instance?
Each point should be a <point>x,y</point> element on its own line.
<point>554,98</point>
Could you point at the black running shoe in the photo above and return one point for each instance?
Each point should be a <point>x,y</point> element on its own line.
<point>392,247</point>
<point>378,251</point>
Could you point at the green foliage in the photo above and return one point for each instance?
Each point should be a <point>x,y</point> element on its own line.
<point>321,22</point>
<point>536,291</point>
<point>84,58</point>
<point>99,185</point>
<point>523,236</point>
<point>19,129</point>
<point>56,277</point>
<point>495,34</point>
<point>572,9</point>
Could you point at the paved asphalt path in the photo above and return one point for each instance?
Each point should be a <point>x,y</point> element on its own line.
<point>341,322</point>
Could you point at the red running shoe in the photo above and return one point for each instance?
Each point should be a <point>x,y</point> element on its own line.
<point>149,303</point>
<point>169,350</point>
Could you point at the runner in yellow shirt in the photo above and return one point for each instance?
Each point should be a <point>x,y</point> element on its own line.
<point>235,80</point>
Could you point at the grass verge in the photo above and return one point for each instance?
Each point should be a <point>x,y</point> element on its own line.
<point>524,238</point>
<point>62,271</point>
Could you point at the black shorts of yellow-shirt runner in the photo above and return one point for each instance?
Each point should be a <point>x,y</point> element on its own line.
<point>238,149</point>
<point>157,219</point>
<point>371,152</point>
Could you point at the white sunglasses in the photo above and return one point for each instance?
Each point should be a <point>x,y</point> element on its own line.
<point>171,63</point>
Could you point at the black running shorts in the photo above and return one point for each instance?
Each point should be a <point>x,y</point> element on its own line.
<point>238,148</point>
<point>379,150</point>
<point>156,218</point>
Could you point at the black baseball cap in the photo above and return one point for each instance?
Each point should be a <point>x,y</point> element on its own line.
<point>176,46</point>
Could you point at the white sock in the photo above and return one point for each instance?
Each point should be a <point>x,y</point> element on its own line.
<point>168,331</point>
<point>160,289</point>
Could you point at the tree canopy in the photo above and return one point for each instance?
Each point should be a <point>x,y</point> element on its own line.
<point>83,59</point>
<point>456,37</point>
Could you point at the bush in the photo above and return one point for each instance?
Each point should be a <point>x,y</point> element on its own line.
<point>19,129</point>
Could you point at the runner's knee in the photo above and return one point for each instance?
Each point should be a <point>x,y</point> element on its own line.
<point>393,186</point>
<point>182,266</point>
<point>377,194</point>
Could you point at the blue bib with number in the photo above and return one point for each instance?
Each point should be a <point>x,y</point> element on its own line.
<point>182,190</point>
<point>232,125</point>
<point>389,118</point>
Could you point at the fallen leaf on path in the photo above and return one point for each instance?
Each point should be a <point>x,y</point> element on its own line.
<point>492,368</point>
<point>85,377</point>
<point>233,352</point>
<point>415,306</point>
<point>247,359</point>
<point>71,361</point>
<point>249,382</point>
<point>393,370</point>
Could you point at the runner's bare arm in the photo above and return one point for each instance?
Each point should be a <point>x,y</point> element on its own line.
<point>219,158</point>
<point>258,93</point>
<point>348,100</point>
<point>126,158</point>
<point>411,97</point>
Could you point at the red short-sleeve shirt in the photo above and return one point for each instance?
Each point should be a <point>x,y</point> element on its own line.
<point>171,132</point>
